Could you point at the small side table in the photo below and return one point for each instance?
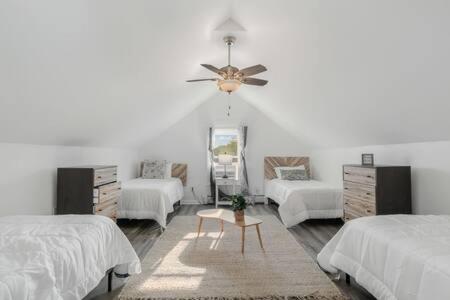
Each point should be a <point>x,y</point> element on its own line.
<point>228,216</point>
<point>225,182</point>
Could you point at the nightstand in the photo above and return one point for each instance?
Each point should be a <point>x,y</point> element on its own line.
<point>225,182</point>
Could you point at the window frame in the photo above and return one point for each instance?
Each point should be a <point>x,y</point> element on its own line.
<point>236,158</point>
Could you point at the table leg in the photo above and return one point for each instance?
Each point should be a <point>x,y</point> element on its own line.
<point>243,239</point>
<point>217,195</point>
<point>199,226</point>
<point>221,225</point>
<point>259,236</point>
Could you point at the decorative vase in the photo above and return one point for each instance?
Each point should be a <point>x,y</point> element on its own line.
<point>239,215</point>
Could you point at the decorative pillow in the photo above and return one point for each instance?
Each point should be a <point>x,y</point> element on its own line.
<point>154,169</point>
<point>278,169</point>
<point>294,174</point>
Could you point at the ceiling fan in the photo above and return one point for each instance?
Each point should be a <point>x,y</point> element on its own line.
<point>232,77</point>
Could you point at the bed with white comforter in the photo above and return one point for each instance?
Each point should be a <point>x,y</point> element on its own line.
<point>149,198</point>
<point>300,200</point>
<point>402,257</point>
<point>60,257</point>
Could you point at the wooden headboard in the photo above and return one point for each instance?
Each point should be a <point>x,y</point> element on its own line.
<point>271,162</point>
<point>178,171</point>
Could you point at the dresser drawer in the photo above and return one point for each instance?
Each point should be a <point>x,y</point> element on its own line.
<point>359,207</point>
<point>104,176</point>
<point>107,192</point>
<point>359,191</point>
<point>107,209</point>
<point>105,205</point>
<point>360,175</point>
<point>348,216</point>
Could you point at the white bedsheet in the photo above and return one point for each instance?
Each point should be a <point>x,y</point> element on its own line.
<point>60,257</point>
<point>394,257</point>
<point>149,198</point>
<point>300,200</point>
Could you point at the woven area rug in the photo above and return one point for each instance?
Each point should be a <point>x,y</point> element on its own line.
<point>180,266</point>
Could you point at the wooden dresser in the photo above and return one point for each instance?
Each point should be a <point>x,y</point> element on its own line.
<point>376,190</point>
<point>88,190</point>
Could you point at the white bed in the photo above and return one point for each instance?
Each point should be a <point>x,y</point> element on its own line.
<point>300,200</point>
<point>149,198</point>
<point>60,257</point>
<point>395,256</point>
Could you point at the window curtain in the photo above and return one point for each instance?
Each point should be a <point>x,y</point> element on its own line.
<point>243,176</point>
<point>212,172</point>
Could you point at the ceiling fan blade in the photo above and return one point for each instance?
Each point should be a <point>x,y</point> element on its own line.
<point>208,79</point>
<point>252,70</point>
<point>212,68</point>
<point>254,81</point>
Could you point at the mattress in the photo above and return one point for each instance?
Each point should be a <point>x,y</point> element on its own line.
<point>60,257</point>
<point>300,200</point>
<point>149,198</point>
<point>402,257</point>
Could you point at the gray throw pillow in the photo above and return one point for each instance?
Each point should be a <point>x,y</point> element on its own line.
<point>296,174</point>
<point>154,169</point>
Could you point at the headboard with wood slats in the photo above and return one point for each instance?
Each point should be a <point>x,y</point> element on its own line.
<point>178,171</point>
<point>271,162</point>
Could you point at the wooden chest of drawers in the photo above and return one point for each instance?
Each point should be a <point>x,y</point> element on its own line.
<point>88,190</point>
<point>376,190</point>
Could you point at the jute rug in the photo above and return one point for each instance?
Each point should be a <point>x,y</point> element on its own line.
<point>179,266</point>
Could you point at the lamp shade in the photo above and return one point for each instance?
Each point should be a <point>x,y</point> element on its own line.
<point>228,85</point>
<point>225,159</point>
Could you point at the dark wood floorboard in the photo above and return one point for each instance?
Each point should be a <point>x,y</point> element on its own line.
<point>311,234</point>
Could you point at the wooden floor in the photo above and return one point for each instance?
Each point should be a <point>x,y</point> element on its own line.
<point>312,235</point>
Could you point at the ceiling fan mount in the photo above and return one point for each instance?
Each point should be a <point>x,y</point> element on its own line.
<point>229,40</point>
<point>232,77</point>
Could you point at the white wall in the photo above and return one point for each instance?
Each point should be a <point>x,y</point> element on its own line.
<point>28,173</point>
<point>186,142</point>
<point>430,166</point>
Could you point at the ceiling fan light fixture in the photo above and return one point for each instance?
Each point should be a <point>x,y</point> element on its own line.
<point>228,85</point>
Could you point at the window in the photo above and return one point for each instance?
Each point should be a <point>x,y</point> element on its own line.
<point>226,141</point>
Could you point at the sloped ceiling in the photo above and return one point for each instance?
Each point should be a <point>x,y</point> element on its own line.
<point>112,73</point>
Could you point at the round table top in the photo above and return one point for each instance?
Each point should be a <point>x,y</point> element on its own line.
<point>228,216</point>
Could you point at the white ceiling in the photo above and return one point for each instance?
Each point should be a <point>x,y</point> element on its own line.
<point>112,73</point>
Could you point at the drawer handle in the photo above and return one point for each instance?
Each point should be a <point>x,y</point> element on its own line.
<point>104,193</point>
<point>369,211</point>
<point>346,173</point>
<point>368,193</point>
<point>99,177</point>
<point>100,209</point>
<point>346,188</point>
<point>368,176</point>
<point>114,173</point>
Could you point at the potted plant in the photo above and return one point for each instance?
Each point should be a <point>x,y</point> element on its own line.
<point>238,204</point>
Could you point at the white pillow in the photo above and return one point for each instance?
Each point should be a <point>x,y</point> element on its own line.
<point>277,169</point>
<point>168,173</point>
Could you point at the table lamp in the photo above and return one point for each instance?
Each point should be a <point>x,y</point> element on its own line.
<point>225,160</point>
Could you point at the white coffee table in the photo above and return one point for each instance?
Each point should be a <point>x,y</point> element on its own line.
<point>228,216</point>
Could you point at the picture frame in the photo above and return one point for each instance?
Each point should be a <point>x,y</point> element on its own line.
<point>367,159</point>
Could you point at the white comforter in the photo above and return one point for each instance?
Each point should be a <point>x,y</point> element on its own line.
<point>300,200</point>
<point>394,257</point>
<point>149,198</point>
<point>60,257</point>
